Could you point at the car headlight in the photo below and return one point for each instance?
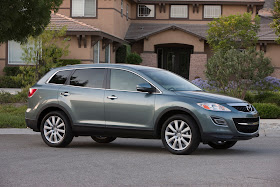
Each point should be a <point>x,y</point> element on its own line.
<point>213,106</point>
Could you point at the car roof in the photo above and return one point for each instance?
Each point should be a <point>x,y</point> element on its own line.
<point>106,65</point>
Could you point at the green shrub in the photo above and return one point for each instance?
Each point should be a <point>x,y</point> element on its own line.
<point>6,97</point>
<point>65,62</point>
<point>11,71</point>
<point>121,54</point>
<point>250,97</point>
<point>134,58</point>
<point>268,110</point>
<point>20,97</point>
<point>272,99</point>
<point>9,82</point>
<point>260,97</point>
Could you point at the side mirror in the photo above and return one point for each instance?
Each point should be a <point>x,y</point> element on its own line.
<point>145,87</point>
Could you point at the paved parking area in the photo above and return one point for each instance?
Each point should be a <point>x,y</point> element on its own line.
<point>27,161</point>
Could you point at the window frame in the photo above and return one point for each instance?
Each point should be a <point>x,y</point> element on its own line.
<point>203,11</point>
<point>67,80</point>
<point>109,54</point>
<point>188,12</point>
<point>84,17</point>
<point>108,81</point>
<point>143,17</point>
<point>127,6</point>
<point>121,8</point>
<point>98,56</point>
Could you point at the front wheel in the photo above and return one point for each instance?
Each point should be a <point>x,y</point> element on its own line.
<point>222,144</point>
<point>103,139</point>
<point>180,135</point>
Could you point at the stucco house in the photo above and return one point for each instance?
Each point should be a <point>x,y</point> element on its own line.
<point>169,34</point>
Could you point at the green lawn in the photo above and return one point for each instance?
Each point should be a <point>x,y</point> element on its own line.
<point>12,116</point>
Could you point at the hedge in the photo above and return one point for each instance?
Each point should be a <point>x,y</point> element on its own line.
<point>267,110</point>
<point>11,71</point>
<point>9,82</point>
<point>65,62</point>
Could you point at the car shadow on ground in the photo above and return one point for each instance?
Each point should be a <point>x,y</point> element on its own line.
<point>157,148</point>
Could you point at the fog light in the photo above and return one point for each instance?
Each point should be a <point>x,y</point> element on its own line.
<point>219,121</point>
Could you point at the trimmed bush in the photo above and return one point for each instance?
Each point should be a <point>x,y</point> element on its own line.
<point>250,97</point>
<point>11,71</point>
<point>134,58</point>
<point>65,62</point>
<point>272,99</point>
<point>9,82</point>
<point>259,98</point>
<point>267,110</point>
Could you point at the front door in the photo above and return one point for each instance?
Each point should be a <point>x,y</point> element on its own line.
<point>175,59</point>
<point>125,107</point>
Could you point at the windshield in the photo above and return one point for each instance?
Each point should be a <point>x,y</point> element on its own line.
<point>170,81</point>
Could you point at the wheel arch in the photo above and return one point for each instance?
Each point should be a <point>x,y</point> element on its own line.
<point>164,115</point>
<point>51,107</point>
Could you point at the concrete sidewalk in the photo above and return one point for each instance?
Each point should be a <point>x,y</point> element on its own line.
<point>11,90</point>
<point>268,127</point>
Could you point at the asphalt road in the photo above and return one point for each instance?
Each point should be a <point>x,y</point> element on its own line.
<point>26,161</point>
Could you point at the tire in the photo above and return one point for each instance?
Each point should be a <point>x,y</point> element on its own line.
<point>222,144</point>
<point>180,135</point>
<point>103,139</point>
<point>56,129</point>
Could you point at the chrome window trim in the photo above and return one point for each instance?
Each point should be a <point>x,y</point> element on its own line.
<point>47,82</point>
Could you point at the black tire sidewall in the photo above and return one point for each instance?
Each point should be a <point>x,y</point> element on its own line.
<point>194,130</point>
<point>68,131</point>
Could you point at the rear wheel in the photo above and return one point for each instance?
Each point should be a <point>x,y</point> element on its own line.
<point>103,139</point>
<point>222,144</point>
<point>180,135</point>
<point>56,130</point>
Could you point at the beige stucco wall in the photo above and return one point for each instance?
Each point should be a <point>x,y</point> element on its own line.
<point>233,9</point>
<point>273,52</point>
<point>3,57</point>
<point>108,18</point>
<point>173,36</point>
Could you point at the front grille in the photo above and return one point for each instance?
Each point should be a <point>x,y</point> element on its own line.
<point>243,108</point>
<point>246,125</point>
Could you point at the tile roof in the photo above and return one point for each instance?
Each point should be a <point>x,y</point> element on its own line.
<point>59,20</point>
<point>138,31</point>
<point>266,32</point>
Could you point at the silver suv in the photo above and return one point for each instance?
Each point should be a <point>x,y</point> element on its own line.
<point>106,101</point>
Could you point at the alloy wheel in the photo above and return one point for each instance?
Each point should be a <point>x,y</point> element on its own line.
<point>54,129</point>
<point>178,135</point>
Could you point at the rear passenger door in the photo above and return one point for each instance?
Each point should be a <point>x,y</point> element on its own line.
<point>125,107</point>
<point>83,96</point>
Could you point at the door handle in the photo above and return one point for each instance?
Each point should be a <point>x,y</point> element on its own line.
<point>112,97</point>
<point>65,94</point>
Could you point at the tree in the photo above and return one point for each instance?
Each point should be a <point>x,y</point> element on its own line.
<point>235,71</point>
<point>23,18</point>
<point>234,31</point>
<point>42,53</point>
<point>134,58</point>
<point>276,20</point>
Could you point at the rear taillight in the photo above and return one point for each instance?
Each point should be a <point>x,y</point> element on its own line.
<point>31,92</point>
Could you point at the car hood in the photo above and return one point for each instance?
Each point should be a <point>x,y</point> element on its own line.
<point>209,97</point>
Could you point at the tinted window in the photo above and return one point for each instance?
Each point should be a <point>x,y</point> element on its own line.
<point>93,78</point>
<point>170,81</point>
<point>124,80</point>
<point>60,77</point>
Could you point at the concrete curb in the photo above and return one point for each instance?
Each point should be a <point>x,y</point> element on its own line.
<point>268,128</point>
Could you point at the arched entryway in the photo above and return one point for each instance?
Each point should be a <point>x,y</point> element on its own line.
<point>174,57</point>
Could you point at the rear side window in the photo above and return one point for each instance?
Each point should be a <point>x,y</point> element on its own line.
<point>124,80</point>
<point>92,78</point>
<point>60,77</point>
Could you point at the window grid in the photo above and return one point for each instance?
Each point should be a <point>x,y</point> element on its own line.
<point>84,8</point>
<point>212,11</point>
<point>179,11</point>
<point>146,10</point>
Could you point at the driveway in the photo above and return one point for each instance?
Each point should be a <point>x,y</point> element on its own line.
<point>27,161</point>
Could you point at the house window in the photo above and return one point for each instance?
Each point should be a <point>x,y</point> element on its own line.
<point>107,54</point>
<point>96,53</point>
<point>83,8</point>
<point>15,53</point>
<point>212,11</point>
<point>122,8</point>
<point>179,11</point>
<point>146,11</point>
